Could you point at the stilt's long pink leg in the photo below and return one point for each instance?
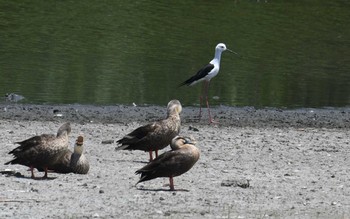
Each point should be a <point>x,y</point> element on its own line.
<point>207,102</point>
<point>201,100</point>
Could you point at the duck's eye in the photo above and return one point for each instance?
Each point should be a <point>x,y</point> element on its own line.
<point>187,140</point>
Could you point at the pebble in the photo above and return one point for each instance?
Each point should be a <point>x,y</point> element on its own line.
<point>243,183</point>
<point>107,142</point>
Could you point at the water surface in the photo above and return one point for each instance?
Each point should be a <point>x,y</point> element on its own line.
<point>294,54</point>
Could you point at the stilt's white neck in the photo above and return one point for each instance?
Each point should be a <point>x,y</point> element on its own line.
<point>217,57</point>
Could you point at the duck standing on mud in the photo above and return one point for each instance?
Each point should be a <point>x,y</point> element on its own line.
<point>41,151</point>
<point>154,136</point>
<point>179,160</point>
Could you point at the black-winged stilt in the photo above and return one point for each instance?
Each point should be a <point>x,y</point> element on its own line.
<point>205,74</point>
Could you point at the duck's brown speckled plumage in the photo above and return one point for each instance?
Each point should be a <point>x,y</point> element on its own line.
<point>62,165</point>
<point>157,135</point>
<point>72,162</point>
<point>41,151</point>
<point>173,163</point>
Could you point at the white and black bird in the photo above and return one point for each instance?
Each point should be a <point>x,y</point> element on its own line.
<point>206,74</point>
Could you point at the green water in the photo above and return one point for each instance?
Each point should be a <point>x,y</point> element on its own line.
<point>294,53</point>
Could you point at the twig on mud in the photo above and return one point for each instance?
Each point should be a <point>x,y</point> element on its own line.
<point>18,200</point>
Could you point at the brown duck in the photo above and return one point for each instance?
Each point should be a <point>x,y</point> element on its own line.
<point>72,162</point>
<point>154,136</point>
<point>41,151</point>
<point>173,163</point>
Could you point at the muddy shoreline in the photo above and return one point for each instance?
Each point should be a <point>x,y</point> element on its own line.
<point>296,163</point>
<point>226,116</point>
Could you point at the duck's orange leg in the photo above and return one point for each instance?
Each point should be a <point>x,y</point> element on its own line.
<point>45,176</point>
<point>150,156</point>
<point>171,181</point>
<point>32,172</point>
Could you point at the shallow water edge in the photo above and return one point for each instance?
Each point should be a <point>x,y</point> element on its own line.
<point>226,116</point>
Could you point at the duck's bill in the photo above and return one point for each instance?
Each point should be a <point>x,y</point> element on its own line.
<point>190,140</point>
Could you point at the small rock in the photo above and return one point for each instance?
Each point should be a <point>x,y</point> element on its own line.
<point>159,212</point>
<point>34,190</point>
<point>101,191</point>
<point>193,129</point>
<point>107,142</point>
<point>243,183</point>
<point>58,115</point>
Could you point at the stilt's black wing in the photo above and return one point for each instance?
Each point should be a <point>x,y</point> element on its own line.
<point>200,74</point>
